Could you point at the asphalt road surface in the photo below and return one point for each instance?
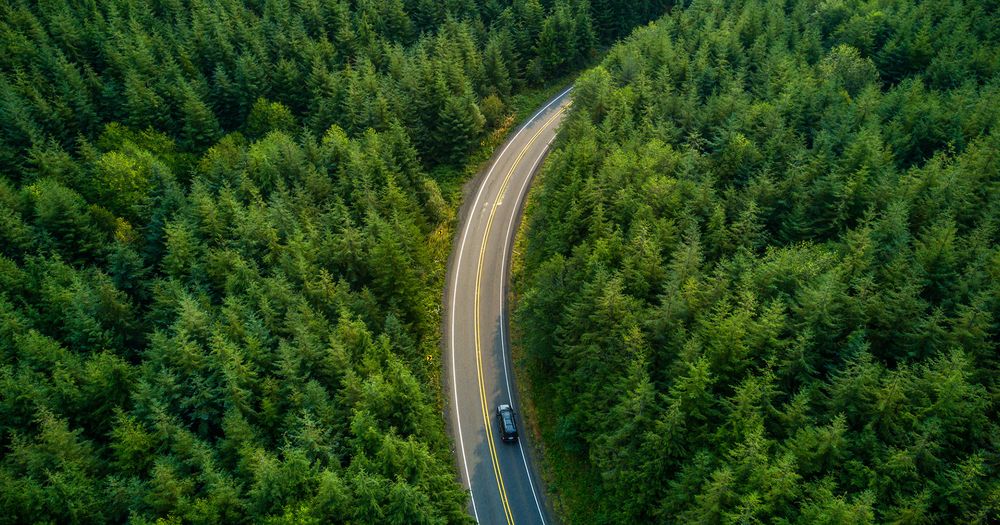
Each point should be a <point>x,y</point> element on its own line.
<point>504,483</point>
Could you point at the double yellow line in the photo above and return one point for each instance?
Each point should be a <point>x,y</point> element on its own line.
<point>479,354</point>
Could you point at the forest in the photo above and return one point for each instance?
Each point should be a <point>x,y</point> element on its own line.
<point>223,231</point>
<point>762,269</point>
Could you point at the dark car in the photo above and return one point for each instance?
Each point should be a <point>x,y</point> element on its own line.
<point>505,420</point>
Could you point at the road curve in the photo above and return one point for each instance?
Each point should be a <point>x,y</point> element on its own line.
<point>504,483</point>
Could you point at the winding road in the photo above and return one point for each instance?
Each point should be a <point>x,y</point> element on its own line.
<point>504,484</point>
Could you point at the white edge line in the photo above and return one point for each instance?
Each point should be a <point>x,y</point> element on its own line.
<point>503,300</point>
<point>454,297</point>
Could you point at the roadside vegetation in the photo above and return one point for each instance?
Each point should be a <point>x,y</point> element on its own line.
<point>762,274</point>
<point>222,245</point>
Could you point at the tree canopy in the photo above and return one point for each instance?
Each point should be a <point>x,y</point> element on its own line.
<point>221,249</point>
<point>762,280</point>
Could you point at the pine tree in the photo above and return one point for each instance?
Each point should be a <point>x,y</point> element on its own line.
<point>459,128</point>
<point>558,33</point>
<point>268,116</point>
<point>200,128</point>
<point>497,76</point>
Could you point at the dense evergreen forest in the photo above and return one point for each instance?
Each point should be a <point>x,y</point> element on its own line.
<point>762,274</point>
<point>222,244</point>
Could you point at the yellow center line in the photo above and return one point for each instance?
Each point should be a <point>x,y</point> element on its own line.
<point>479,355</point>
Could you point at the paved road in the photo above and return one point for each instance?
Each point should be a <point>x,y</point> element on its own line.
<point>504,483</point>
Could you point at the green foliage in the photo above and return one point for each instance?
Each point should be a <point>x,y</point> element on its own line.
<point>197,70</point>
<point>220,248</point>
<point>460,125</point>
<point>565,39</point>
<point>268,116</point>
<point>218,380</point>
<point>760,275</point>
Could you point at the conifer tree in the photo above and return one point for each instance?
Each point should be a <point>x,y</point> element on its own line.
<point>459,128</point>
<point>200,127</point>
